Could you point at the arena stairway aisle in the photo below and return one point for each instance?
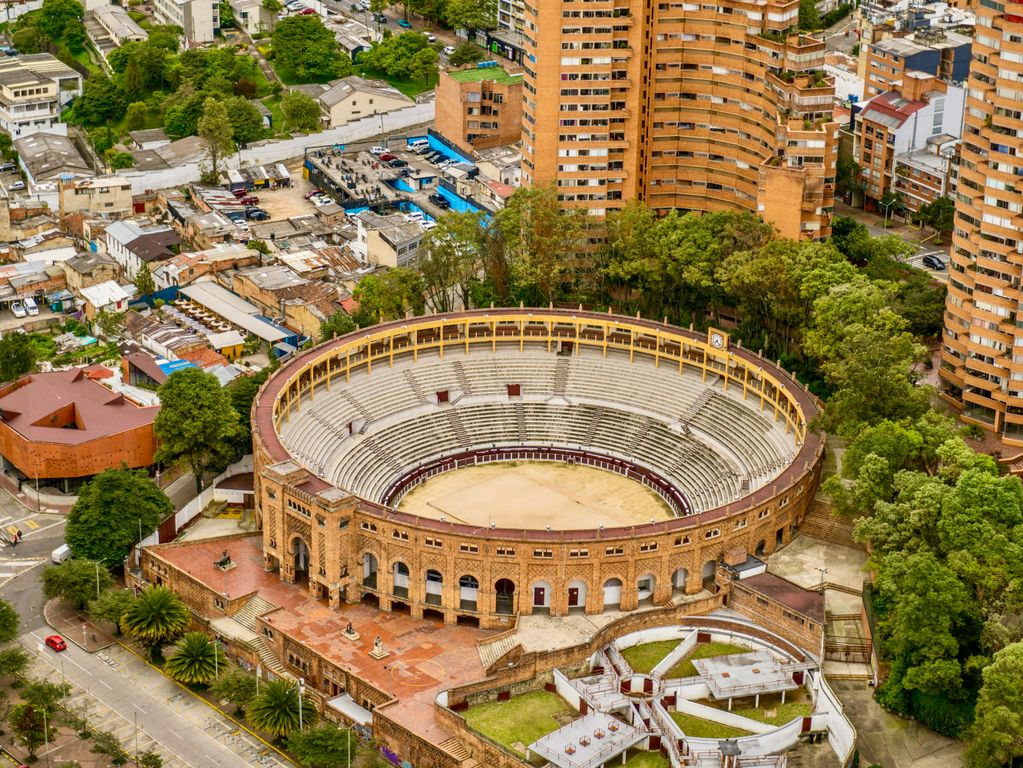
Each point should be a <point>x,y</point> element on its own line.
<point>457,750</point>
<point>492,651</point>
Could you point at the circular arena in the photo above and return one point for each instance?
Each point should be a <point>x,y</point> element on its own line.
<point>483,464</point>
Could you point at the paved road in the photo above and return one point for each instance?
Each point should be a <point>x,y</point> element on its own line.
<point>181,726</point>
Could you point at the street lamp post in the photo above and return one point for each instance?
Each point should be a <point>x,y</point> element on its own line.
<point>98,563</point>
<point>301,689</point>
<point>887,207</point>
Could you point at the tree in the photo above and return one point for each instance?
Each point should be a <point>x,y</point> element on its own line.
<point>74,36</point>
<point>275,709</point>
<point>28,726</point>
<point>17,357</point>
<point>940,215</point>
<point>449,259</point>
<point>105,521</point>
<point>156,617</point>
<point>101,101</point>
<point>423,65</point>
<point>117,160</point>
<point>997,735</point>
<point>8,622</point>
<point>107,743</point>
<point>274,7</point>
<point>56,15</point>
<point>471,14</point>
<point>393,55</point>
<point>216,132</point>
<point>242,391</point>
<point>809,17</point>
<point>149,760</point>
<point>13,661</point>
<point>195,424</point>
<point>111,606</point>
<point>144,282</point>
<point>325,746</point>
<point>131,81</point>
<point>246,121</point>
<point>43,695</point>
<point>136,115</point>
<point>195,660</point>
<point>466,53</point>
<point>337,324</point>
<point>77,581</point>
<point>301,111</point>
<point>390,295</point>
<point>236,687</point>
<point>29,40</point>
<point>848,178</point>
<point>304,47</point>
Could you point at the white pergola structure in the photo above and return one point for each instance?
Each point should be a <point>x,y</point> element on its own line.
<point>588,742</point>
<point>739,675</point>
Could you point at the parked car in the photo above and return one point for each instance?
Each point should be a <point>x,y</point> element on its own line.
<point>8,167</point>
<point>440,201</point>
<point>56,642</point>
<point>427,225</point>
<point>415,216</point>
<point>431,38</point>
<point>378,150</point>
<point>933,261</point>
<point>31,307</point>
<point>18,309</point>
<point>387,157</point>
<point>306,12</point>
<point>17,186</point>
<point>256,214</point>
<point>239,192</point>
<point>250,200</point>
<point>380,18</point>
<point>404,24</point>
<point>448,50</point>
<point>313,193</point>
<point>397,163</point>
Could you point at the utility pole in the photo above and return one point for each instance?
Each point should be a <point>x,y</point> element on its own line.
<point>136,738</point>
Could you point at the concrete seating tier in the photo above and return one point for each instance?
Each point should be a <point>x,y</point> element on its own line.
<point>364,434</point>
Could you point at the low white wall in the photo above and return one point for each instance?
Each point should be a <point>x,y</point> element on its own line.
<point>652,635</point>
<point>721,716</point>
<point>695,689</point>
<point>566,690</point>
<point>276,151</point>
<point>841,733</point>
<point>778,740</point>
<point>682,650</point>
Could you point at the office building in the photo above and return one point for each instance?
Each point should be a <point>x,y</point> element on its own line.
<point>479,108</point>
<point>33,90</point>
<point>198,19</point>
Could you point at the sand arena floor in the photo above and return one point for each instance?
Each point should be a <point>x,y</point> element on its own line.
<point>535,495</point>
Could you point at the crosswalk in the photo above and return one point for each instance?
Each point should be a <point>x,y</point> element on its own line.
<point>11,566</point>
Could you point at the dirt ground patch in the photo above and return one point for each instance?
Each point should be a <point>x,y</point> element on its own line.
<point>535,495</point>
<point>289,202</point>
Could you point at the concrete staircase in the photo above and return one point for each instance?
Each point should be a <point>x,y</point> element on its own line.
<point>821,523</point>
<point>256,606</point>
<point>458,750</point>
<point>492,651</point>
<point>270,661</point>
<point>561,377</point>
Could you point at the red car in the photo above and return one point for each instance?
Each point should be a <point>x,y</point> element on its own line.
<point>306,12</point>
<point>314,193</point>
<point>250,200</point>
<point>387,157</point>
<point>239,192</point>
<point>56,642</point>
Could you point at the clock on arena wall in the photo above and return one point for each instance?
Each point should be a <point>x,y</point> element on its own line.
<point>717,339</point>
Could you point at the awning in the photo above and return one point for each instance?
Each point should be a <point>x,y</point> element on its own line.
<point>346,705</point>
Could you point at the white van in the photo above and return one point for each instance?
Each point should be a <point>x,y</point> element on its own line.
<point>418,146</point>
<point>31,307</point>
<point>60,554</point>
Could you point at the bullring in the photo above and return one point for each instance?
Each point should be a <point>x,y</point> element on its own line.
<point>344,431</point>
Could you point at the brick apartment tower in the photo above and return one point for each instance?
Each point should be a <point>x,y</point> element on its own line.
<point>981,362</point>
<point>681,105</point>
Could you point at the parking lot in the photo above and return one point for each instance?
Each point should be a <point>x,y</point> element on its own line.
<point>289,202</point>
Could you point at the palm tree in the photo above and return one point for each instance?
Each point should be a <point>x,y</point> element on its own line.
<point>196,661</point>
<point>155,618</point>
<point>275,709</point>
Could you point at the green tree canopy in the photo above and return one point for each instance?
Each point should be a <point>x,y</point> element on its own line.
<point>56,15</point>
<point>394,55</point>
<point>246,121</point>
<point>337,324</point>
<point>301,111</point>
<point>275,709</point>
<point>471,14</point>
<point>156,617</point>
<point>8,622</point>
<point>196,423</point>
<point>996,739</point>
<point>195,660</point>
<point>28,726</point>
<point>303,46</point>
<point>388,296</point>
<point>17,356</point>
<point>466,53</point>
<point>217,134</point>
<point>423,65</point>
<point>323,746</point>
<point>144,282</point>
<point>104,522</point>
<point>77,581</point>
<point>236,687</point>
<point>111,605</point>
<point>101,101</point>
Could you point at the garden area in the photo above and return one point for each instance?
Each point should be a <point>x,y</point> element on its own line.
<point>644,759</point>
<point>645,656</point>
<point>771,710</point>
<point>521,720</point>
<point>699,728</point>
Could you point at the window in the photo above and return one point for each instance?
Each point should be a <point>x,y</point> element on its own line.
<point>470,548</point>
<point>505,552</point>
<point>712,533</point>
<point>612,551</point>
<point>681,541</point>
<point>579,553</point>
<point>431,542</point>
<point>740,523</point>
<point>369,527</point>
<point>300,508</point>
<point>763,513</point>
<point>543,553</point>
<point>650,546</point>
<point>396,534</point>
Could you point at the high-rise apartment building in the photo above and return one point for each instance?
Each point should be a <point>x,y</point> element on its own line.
<point>982,350</point>
<point>681,105</point>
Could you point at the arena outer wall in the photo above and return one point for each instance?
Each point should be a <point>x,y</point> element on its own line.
<point>338,528</point>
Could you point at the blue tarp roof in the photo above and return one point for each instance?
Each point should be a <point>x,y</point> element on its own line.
<point>170,366</point>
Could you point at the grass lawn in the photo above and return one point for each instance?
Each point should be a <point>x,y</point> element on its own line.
<point>273,103</point>
<point>88,59</point>
<point>410,88</point>
<point>685,668</point>
<point>645,656</point>
<point>522,719</point>
<point>646,760</point>
<point>699,728</point>
<point>771,710</point>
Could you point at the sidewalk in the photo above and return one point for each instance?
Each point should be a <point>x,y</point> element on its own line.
<point>76,627</point>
